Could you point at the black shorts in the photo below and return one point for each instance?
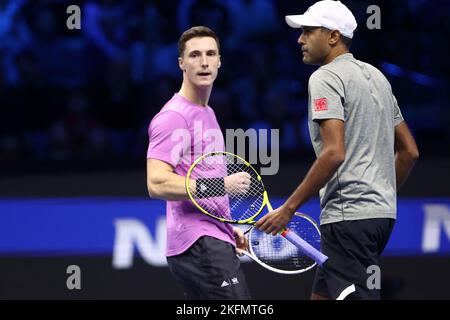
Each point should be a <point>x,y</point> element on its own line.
<point>210,269</point>
<point>352,247</point>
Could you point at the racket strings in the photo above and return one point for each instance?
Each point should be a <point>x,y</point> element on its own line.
<point>234,204</point>
<point>248,212</point>
<point>278,253</point>
<point>307,231</point>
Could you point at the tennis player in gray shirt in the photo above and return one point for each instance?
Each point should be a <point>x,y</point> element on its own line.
<point>364,151</point>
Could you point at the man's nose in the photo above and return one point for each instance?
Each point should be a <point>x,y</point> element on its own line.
<point>301,40</point>
<point>204,61</point>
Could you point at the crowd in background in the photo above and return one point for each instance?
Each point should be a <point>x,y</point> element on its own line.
<point>89,94</point>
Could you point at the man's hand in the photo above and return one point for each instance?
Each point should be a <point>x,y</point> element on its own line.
<point>237,183</point>
<point>275,221</point>
<point>241,241</point>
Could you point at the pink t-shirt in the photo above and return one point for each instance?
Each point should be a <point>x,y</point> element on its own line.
<point>180,133</point>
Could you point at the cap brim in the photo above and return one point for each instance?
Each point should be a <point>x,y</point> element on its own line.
<point>298,21</point>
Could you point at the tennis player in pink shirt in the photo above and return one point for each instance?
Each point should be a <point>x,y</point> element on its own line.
<point>201,251</point>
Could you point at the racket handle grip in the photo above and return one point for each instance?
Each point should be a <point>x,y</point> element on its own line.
<point>308,249</point>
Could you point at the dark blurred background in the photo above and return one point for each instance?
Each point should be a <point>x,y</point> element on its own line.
<point>77,98</point>
<point>75,104</point>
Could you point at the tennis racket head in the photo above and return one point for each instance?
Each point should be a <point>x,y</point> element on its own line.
<point>239,199</point>
<point>277,254</point>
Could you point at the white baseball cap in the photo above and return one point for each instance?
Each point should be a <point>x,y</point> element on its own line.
<point>330,14</point>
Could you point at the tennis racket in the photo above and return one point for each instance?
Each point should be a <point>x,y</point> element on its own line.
<point>226,187</point>
<point>277,254</point>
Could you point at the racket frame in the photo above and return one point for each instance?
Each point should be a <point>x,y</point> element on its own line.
<point>250,220</point>
<point>251,254</point>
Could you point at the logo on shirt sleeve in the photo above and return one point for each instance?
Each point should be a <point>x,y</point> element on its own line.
<point>321,104</point>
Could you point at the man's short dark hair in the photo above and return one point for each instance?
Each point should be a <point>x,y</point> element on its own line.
<point>347,41</point>
<point>195,32</point>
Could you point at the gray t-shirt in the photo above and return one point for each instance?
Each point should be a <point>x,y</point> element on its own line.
<point>364,186</point>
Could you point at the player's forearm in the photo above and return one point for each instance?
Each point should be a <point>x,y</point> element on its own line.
<point>168,186</point>
<point>320,173</point>
<point>406,153</point>
<point>404,162</point>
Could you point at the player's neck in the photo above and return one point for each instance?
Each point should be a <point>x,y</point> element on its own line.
<point>197,95</point>
<point>334,54</point>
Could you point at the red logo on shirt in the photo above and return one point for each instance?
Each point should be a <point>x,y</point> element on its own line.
<point>320,104</point>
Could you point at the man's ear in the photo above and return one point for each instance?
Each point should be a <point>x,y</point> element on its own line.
<point>334,37</point>
<point>181,64</point>
<point>220,62</point>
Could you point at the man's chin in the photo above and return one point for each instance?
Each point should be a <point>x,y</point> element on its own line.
<point>204,85</point>
<point>307,61</point>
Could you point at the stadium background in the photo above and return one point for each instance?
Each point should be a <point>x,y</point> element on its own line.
<point>75,106</point>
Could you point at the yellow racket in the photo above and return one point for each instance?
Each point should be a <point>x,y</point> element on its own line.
<point>224,186</point>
